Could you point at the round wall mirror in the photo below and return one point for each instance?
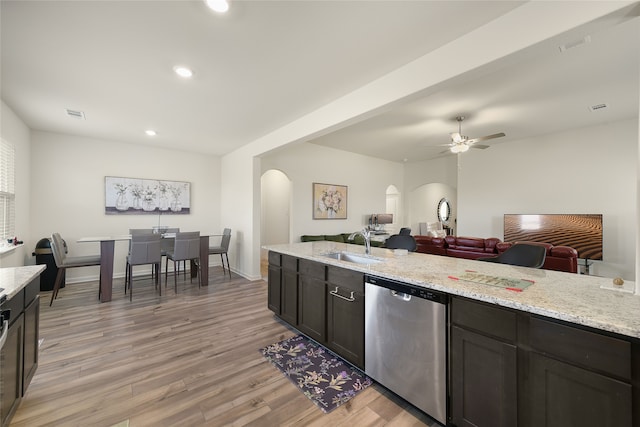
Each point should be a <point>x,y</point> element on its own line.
<point>444,210</point>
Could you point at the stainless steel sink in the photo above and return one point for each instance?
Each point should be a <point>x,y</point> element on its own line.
<point>351,257</point>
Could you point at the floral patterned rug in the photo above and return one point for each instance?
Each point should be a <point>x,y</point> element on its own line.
<point>322,376</point>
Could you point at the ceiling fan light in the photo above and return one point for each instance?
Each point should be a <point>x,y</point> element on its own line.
<point>220,6</point>
<point>459,148</point>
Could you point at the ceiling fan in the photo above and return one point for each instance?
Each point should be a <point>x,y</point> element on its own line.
<point>461,143</point>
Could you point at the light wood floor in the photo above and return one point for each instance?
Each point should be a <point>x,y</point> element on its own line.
<point>189,359</point>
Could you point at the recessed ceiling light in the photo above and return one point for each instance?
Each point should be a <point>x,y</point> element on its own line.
<point>183,71</point>
<point>150,132</point>
<point>220,6</point>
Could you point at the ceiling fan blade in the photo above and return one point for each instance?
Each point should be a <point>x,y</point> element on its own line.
<point>480,146</point>
<point>484,138</point>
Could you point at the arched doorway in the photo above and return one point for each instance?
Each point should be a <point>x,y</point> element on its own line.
<point>275,203</point>
<point>393,207</point>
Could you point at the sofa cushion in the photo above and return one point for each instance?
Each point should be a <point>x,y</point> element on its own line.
<point>472,244</point>
<point>503,246</point>
<point>563,252</point>
<point>312,238</point>
<point>431,245</point>
<point>490,244</point>
<point>334,238</point>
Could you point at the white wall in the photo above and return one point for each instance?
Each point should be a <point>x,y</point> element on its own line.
<point>426,183</point>
<point>14,131</point>
<point>588,170</point>
<point>423,204</point>
<point>276,200</point>
<point>68,194</point>
<point>496,40</point>
<point>367,179</point>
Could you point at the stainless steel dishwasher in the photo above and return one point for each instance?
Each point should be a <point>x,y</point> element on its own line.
<point>406,342</point>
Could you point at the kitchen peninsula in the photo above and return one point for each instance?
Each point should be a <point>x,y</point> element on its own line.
<point>19,355</point>
<point>563,351</point>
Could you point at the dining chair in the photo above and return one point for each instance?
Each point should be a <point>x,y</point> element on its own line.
<point>186,247</point>
<point>167,242</point>
<point>223,249</point>
<point>134,232</point>
<point>145,249</point>
<point>63,262</point>
<point>398,241</point>
<point>521,254</point>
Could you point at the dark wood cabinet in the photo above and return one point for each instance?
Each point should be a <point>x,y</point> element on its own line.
<point>31,337</point>
<point>274,285</point>
<point>11,357</point>
<point>484,370</point>
<point>312,319</point>
<point>19,355</point>
<point>289,290</point>
<point>324,302</point>
<point>563,395</point>
<point>512,368</point>
<point>577,376</point>
<point>282,287</point>
<point>345,314</point>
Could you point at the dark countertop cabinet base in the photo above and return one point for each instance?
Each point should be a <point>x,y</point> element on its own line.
<point>325,303</point>
<point>20,352</point>
<point>510,368</point>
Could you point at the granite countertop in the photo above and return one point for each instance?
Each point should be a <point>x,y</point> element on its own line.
<point>14,279</point>
<point>580,299</point>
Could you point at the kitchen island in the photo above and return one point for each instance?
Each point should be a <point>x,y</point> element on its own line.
<point>19,354</point>
<point>563,351</point>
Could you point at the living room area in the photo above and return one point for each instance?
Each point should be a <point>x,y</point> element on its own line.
<point>573,160</point>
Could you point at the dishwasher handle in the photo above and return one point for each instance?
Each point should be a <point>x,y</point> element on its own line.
<point>336,294</point>
<point>400,295</point>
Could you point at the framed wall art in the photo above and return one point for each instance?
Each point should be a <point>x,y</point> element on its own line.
<point>136,196</point>
<point>329,201</point>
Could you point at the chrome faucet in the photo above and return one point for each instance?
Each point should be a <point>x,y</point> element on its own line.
<point>367,239</point>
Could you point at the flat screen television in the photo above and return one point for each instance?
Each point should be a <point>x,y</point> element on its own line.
<point>582,232</point>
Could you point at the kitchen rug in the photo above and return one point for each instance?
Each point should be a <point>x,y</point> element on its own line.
<point>327,380</point>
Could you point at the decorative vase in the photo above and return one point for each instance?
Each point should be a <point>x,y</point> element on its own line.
<point>148,205</point>
<point>137,204</point>
<point>163,204</point>
<point>122,204</point>
<point>176,206</point>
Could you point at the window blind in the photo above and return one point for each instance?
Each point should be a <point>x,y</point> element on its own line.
<point>7,190</point>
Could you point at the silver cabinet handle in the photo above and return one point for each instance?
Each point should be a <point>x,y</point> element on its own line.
<point>336,294</point>
<point>4,333</point>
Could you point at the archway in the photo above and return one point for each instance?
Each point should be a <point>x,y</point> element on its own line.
<point>393,206</point>
<point>275,195</point>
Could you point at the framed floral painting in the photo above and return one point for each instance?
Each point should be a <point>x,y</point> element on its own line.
<point>146,196</point>
<point>329,201</point>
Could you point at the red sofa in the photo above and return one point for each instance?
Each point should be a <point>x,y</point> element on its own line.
<point>559,258</point>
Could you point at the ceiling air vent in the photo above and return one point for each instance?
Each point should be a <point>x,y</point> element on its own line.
<point>598,107</point>
<point>575,43</point>
<point>75,114</point>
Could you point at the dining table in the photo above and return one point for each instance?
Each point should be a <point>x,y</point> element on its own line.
<point>107,250</point>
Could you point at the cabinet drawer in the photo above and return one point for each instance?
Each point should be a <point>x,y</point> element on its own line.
<point>488,319</point>
<point>581,347</point>
<point>348,279</point>
<point>274,258</point>
<point>31,291</point>
<point>311,268</point>
<point>16,305</point>
<point>289,263</point>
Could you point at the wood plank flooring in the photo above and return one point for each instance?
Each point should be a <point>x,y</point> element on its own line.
<point>186,359</point>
